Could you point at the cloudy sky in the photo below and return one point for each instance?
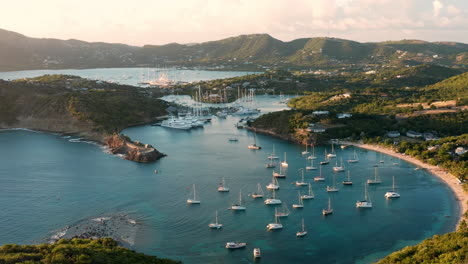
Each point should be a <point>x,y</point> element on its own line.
<point>140,22</point>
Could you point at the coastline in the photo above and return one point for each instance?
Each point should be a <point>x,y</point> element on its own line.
<point>451,181</point>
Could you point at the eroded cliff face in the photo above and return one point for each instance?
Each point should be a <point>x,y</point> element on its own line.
<point>134,151</point>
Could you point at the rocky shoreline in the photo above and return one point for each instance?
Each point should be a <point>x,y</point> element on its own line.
<point>133,150</point>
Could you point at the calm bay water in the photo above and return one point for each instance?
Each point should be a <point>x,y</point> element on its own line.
<point>47,182</point>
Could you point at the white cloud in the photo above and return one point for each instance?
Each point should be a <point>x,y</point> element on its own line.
<point>436,7</point>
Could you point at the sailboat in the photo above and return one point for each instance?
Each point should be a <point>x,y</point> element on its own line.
<point>284,211</point>
<point>328,210</point>
<point>300,204</point>
<point>276,224</point>
<point>273,185</point>
<point>273,200</point>
<point>333,188</point>
<point>273,155</point>
<point>303,232</point>
<point>306,151</point>
<point>311,166</point>
<point>354,159</point>
<point>259,192</point>
<point>222,187</point>
<point>215,225</point>
<point>339,168</point>
<point>312,156</point>
<point>284,163</point>
<point>348,180</point>
<point>326,160</point>
<point>320,177</point>
<point>270,165</point>
<point>238,206</point>
<point>309,195</point>
<point>392,193</point>
<point>194,200</point>
<point>376,179</point>
<point>366,203</point>
<point>254,145</point>
<point>301,183</point>
<point>279,174</point>
<point>332,154</point>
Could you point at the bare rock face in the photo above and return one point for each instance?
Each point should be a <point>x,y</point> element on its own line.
<point>134,151</point>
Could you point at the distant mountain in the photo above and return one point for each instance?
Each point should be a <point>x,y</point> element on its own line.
<point>20,52</point>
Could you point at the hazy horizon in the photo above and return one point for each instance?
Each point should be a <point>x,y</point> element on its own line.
<point>158,22</point>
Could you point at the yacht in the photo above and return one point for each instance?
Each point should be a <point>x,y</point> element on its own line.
<point>273,185</point>
<point>256,253</point>
<point>305,152</point>
<point>354,159</point>
<point>276,224</point>
<point>234,245</point>
<point>348,181</point>
<point>284,163</point>
<point>300,204</point>
<point>366,203</point>
<point>332,188</point>
<point>273,200</point>
<point>215,225</point>
<point>376,179</point>
<point>303,232</point>
<point>258,193</point>
<point>339,168</point>
<point>320,177</point>
<point>309,195</point>
<point>194,199</point>
<point>328,210</point>
<point>238,206</point>
<point>222,187</point>
<point>392,193</point>
<point>332,154</point>
<point>273,155</point>
<point>302,182</point>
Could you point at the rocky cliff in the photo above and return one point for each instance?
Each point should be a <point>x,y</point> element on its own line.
<point>134,151</point>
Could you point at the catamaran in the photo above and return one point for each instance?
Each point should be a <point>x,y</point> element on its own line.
<point>259,192</point>
<point>310,166</point>
<point>366,203</point>
<point>354,159</point>
<point>332,188</point>
<point>328,210</point>
<point>273,200</point>
<point>273,155</point>
<point>303,232</point>
<point>302,182</point>
<point>238,206</point>
<point>392,193</point>
<point>276,224</point>
<point>320,177</point>
<point>215,225</point>
<point>339,168</point>
<point>309,195</point>
<point>284,211</point>
<point>348,181</point>
<point>273,185</point>
<point>306,151</point>
<point>194,200</point>
<point>376,179</point>
<point>332,154</point>
<point>222,187</point>
<point>284,163</point>
<point>300,204</point>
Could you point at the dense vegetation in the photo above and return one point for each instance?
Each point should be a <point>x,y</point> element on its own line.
<point>76,251</point>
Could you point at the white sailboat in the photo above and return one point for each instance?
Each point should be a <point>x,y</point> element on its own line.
<point>376,179</point>
<point>348,180</point>
<point>366,203</point>
<point>194,200</point>
<point>392,193</point>
<point>284,211</point>
<point>238,206</point>
<point>312,157</point>
<point>273,185</point>
<point>303,232</point>
<point>326,159</point>
<point>339,168</point>
<point>222,187</point>
<point>280,174</point>
<point>306,151</point>
<point>276,224</point>
<point>216,224</point>
<point>302,182</point>
<point>320,177</point>
<point>284,163</point>
<point>332,154</point>
<point>332,188</point>
<point>259,192</point>
<point>254,146</point>
<point>328,210</point>
<point>270,165</point>
<point>300,204</point>
<point>311,165</point>
<point>273,154</point>
<point>235,245</point>
<point>309,195</point>
<point>354,159</point>
<point>272,200</point>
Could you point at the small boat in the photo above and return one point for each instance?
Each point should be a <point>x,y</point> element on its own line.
<point>312,156</point>
<point>284,163</point>
<point>276,224</point>
<point>328,210</point>
<point>233,139</point>
<point>310,166</point>
<point>256,253</point>
<point>303,232</point>
<point>340,168</point>
<point>376,179</point>
<point>302,182</point>
<point>215,225</point>
<point>273,200</point>
<point>320,177</point>
<point>392,193</point>
<point>279,174</point>
<point>332,154</point>
<point>354,159</point>
<point>273,155</point>
<point>326,160</point>
<point>222,187</point>
<point>299,205</point>
<point>270,165</point>
<point>273,185</point>
<point>259,192</point>
<point>343,146</point>
<point>238,206</point>
<point>366,203</point>
<point>234,245</point>
<point>332,188</point>
<point>254,146</point>
<point>284,211</point>
<point>348,180</point>
<point>309,195</point>
<point>305,152</point>
<point>194,200</point>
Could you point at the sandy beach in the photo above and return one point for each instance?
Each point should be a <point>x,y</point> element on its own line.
<point>448,178</point>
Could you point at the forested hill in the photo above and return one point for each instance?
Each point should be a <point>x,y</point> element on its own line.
<point>20,52</point>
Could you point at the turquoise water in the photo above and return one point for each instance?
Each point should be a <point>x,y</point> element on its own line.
<point>48,182</point>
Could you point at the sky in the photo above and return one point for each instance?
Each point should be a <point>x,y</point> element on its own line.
<point>140,22</point>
